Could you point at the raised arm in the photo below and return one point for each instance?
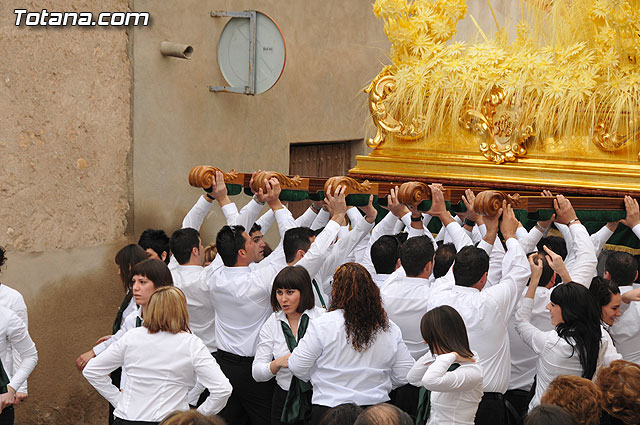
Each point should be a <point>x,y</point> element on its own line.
<point>437,378</point>
<point>438,209</point>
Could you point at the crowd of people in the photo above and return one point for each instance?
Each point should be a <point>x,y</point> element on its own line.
<point>347,321</point>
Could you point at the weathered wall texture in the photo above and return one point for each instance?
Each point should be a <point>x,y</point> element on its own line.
<point>64,193</point>
<point>334,48</point>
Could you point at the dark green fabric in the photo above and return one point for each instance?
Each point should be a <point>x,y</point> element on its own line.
<point>317,288</point>
<point>297,405</point>
<point>234,189</point>
<point>138,322</point>
<point>291,195</point>
<point>121,309</point>
<point>4,379</point>
<point>424,401</point>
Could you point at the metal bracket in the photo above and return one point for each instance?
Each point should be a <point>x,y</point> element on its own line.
<point>251,15</point>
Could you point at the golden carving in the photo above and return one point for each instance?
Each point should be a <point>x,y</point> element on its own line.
<point>204,176</point>
<point>489,202</point>
<point>352,185</point>
<point>412,193</point>
<point>259,178</point>
<point>610,141</point>
<point>501,125</point>
<point>379,90</point>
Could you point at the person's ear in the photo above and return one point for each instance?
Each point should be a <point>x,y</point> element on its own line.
<point>163,256</point>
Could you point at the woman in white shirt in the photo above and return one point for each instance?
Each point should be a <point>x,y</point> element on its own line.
<point>293,302</point>
<point>453,376</point>
<point>161,362</point>
<point>576,346</point>
<point>353,353</point>
<point>14,336</point>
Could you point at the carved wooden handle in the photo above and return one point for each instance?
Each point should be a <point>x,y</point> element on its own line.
<point>489,202</point>
<point>352,185</point>
<point>412,193</point>
<point>260,177</point>
<point>204,176</point>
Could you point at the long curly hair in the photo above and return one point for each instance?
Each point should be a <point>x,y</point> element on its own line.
<point>354,291</point>
<point>620,385</point>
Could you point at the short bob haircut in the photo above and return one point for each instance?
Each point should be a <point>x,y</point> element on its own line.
<point>549,414</point>
<point>578,396</point>
<point>620,386</point>
<point>167,311</point>
<point>154,270</point>
<point>294,277</point>
<point>126,259</point>
<point>444,330</point>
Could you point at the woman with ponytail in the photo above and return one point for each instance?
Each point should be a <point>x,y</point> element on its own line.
<point>575,347</point>
<point>353,353</point>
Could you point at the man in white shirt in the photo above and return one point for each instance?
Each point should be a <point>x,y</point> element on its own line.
<point>486,311</point>
<point>241,297</point>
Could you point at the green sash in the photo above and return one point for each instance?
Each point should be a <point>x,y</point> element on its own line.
<point>121,309</point>
<point>315,285</point>
<point>297,405</point>
<point>424,401</point>
<point>138,322</point>
<point>4,379</point>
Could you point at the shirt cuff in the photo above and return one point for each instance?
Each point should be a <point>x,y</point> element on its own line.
<point>406,219</point>
<point>229,210</point>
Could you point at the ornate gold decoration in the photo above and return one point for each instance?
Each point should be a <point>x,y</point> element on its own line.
<point>286,182</point>
<point>379,89</point>
<point>412,193</point>
<point>204,176</point>
<point>501,125</point>
<point>489,202</point>
<point>353,186</point>
<point>610,141</point>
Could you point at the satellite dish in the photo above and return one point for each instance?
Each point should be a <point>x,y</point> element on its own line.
<point>270,52</point>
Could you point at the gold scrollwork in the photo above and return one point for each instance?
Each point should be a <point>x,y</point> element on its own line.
<point>610,141</point>
<point>260,178</point>
<point>503,128</point>
<point>204,175</point>
<point>352,185</point>
<point>379,89</point>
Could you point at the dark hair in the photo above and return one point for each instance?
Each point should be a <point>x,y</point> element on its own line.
<point>3,256</point>
<point>294,240</point>
<point>402,237</point>
<point>581,327</point>
<point>342,414</point>
<point>182,243</point>
<point>383,414</point>
<point>229,241</point>
<point>471,263</point>
<point>385,253</point>
<point>549,414</point>
<point>444,330</point>
<point>191,417</point>
<point>602,289</point>
<point>294,277</point>
<point>255,228</point>
<point>126,258</point>
<point>415,254</point>
<point>358,296</point>
<point>154,270</point>
<point>555,244</point>
<point>622,267</point>
<point>156,240</point>
<point>445,256</point>
<point>547,271</point>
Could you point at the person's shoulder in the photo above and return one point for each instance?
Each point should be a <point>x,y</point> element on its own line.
<point>7,314</point>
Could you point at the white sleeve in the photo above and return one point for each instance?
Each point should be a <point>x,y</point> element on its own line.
<point>354,216</point>
<point>321,219</point>
<point>515,274</point>
<point>600,238</point>
<point>230,212</point>
<point>438,378</point>
<point>610,352</point>
<point>249,214</point>
<point>384,227</point>
<point>20,341</point>
<point>266,221</point>
<point>419,368</point>
<point>530,240</point>
<point>306,219</point>
<point>584,267</point>
<point>196,215</point>
<point>285,221</point>
<point>402,363</point>
<point>210,375</point>
<point>313,259</point>
<point>260,369</point>
<point>98,369</point>
<point>304,356</point>
<point>636,230</point>
<point>458,235</point>
<point>20,309</point>
<point>532,336</point>
<point>127,324</point>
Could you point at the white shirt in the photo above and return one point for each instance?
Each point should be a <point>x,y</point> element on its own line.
<point>14,336</point>
<point>272,344</point>
<point>339,374</point>
<point>405,300</point>
<point>523,358</point>
<point>581,261</point>
<point>128,322</point>
<point>160,369</point>
<point>192,281</point>
<point>626,331</point>
<point>486,314</point>
<point>555,355</point>
<point>13,300</point>
<point>241,296</point>
<point>455,395</point>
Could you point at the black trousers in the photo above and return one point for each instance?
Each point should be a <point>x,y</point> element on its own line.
<point>406,398</point>
<point>491,410</point>
<point>7,416</point>
<point>116,375</point>
<point>277,403</point>
<point>520,400</point>
<point>118,421</point>
<point>250,401</point>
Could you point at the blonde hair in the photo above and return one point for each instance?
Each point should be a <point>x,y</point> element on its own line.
<point>578,396</point>
<point>167,311</point>
<point>210,252</point>
<point>192,417</point>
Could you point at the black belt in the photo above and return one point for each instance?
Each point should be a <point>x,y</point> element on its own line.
<point>232,357</point>
<point>493,396</point>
